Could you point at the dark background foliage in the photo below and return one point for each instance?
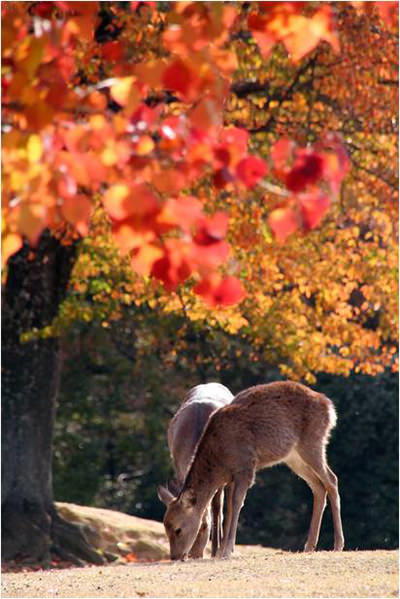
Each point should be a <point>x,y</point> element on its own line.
<point>121,385</point>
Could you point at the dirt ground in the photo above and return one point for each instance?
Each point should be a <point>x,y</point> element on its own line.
<point>251,572</point>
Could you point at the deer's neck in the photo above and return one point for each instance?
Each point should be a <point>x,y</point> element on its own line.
<point>205,476</point>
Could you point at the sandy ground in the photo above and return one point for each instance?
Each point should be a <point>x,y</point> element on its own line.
<point>251,572</point>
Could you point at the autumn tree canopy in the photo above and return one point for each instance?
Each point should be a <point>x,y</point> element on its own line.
<point>232,162</point>
<point>215,138</point>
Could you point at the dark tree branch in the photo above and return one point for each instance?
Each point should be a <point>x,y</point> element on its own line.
<point>242,89</point>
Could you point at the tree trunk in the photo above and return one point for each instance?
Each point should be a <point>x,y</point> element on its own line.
<point>36,285</point>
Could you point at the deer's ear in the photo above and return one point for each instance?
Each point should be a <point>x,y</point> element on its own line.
<point>188,498</point>
<point>174,486</point>
<point>164,495</point>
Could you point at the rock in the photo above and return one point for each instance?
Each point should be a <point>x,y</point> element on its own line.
<point>117,534</point>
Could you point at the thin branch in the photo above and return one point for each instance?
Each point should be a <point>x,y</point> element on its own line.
<point>372,172</point>
<point>286,95</point>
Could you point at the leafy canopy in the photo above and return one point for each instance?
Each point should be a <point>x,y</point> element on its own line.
<point>203,139</point>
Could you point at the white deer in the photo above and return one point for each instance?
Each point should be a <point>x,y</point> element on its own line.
<point>184,432</point>
<point>264,425</point>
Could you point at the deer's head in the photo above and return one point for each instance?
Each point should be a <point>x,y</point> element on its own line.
<point>182,523</point>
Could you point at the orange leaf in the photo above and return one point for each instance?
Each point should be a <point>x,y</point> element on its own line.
<point>11,243</point>
<point>122,201</point>
<point>97,100</point>
<point>388,11</point>
<point>167,180</point>
<point>226,60</point>
<point>282,21</point>
<point>283,222</point>
<point>145,145</point>
<point>150,73</point>
<point>34,148</point>
<point>114,201</point>
<point>306,33</point>
<point>323,26</point>
<point>128,235</point>
<point>206,115</point>
<point>77,211</point>
<point>31,219</point>
<point>126,93</point>
<point>69,162</point>
<point>143,259</point>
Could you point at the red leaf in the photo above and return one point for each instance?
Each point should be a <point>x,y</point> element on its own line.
<point>178,77</point>
<point>250,170</point>
<point>183,212</point>
<point>265,40</point>
<point>222,177</point>
<point>150,5</point>
<point>212,229</point>
<point>220,292</point>
<point>209,256</point>
<point>283,222</point>
<point>173,268</point>
<point>222,156</point>
<point>173,129</point>
<point>313,209</point>
<point>67,186</point>
<point>308,168</point>
<point>281,153</point>
<point>113,51</point>
<point>388,11</point>
<point>145,117</point>
<point>43,9</point>
<point>234,136</point>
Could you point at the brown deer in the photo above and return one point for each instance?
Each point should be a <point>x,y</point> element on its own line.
<point>264,425</point>
<point>184,432</point>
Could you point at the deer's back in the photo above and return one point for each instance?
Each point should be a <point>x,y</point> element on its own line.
<point>265,423</point>
<point>187,426</point>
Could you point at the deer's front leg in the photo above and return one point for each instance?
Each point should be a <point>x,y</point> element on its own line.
<point>238,492</point>
<point>203,535</point>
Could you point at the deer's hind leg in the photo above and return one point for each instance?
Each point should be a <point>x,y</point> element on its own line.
<point>216,521</point>
<point>314,456</point>
<point>299,467</point>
